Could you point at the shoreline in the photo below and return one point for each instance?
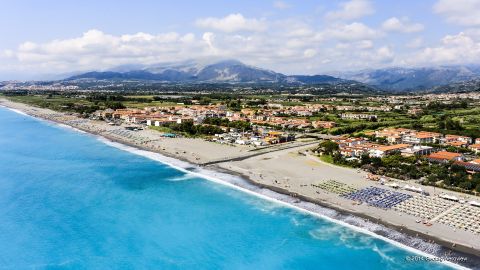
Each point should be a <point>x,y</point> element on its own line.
<point>399,228</point>
<point>215,168</point>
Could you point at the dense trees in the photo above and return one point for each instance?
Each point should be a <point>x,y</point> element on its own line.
<point>328,147</point>
<point>235,105</point>
<point>449,175</point>
<point>114,105</point>
<point>191,129</point>
<point>448,123</point>
<point>435,106</point>
<point>240,125</point>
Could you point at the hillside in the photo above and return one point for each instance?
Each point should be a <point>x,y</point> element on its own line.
<point>228,71</point>
<point>413,79</point>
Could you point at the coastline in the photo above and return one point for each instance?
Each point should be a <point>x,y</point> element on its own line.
<point>284,191</point>
<point>399,228</point>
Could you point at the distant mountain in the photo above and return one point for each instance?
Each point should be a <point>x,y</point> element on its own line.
<point>227,71</point>
<point>459,87</point>
<point>314,79</point>
<point>413,79</point>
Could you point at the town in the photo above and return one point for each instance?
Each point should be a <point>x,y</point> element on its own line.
<point>397,136</point>
<point>273,134</point>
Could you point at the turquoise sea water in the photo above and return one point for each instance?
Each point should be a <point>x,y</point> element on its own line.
<point>69,201</point>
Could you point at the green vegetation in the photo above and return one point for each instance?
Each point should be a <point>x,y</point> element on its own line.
<point>187,127</point>
<point>444,115</point>
<point>328,147</point>
<point>449,175</point>
<point>224,122</point>
<point>327,158</point>
<point>163,129</point>
<point>60,103</point>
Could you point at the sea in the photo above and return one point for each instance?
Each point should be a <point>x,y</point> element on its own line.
<point>70,200</point>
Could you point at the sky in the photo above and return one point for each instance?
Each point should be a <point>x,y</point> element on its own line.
<point>40,39</point>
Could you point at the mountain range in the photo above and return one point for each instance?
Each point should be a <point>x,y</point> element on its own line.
<point>226,71</point>
<point>413,79</point>
<point>395,79</point>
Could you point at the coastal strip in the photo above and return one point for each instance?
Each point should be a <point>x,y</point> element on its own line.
<point>187,167</point>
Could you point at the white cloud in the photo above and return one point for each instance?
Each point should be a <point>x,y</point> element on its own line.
<point>97,50</point>
<point>294,28</point>
<point>281,5</point>
<point>454,49</point>
<point>351,10</point>
<point>415,43</point>
<point>289,46</point>
<point>350,32</point>
<point>385,54</point>
<point>292,45</point>
<point>7,54</point>
<point>188,38</point>
<point>309,53</point>
<point>290,49</point>
<point>403,25</point>
<point>209,38</point>
<point>365,44</point>
<point>232,23</point>
<point>462,12</point>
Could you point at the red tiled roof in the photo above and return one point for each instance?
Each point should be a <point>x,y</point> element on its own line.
<point>444,155</point>
<point>393,147</point>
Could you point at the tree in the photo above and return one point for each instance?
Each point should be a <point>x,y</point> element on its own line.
<point>328,147</point>
<point>467,185</point>
<point>114,105</point>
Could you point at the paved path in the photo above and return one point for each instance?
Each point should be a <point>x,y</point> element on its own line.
<point>260,152</point>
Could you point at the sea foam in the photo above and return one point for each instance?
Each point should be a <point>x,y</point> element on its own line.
<point>235,182</point>
<point>240,184</point>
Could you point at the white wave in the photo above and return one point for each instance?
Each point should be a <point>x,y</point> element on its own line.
<point>382,254</point>
<point>184,177</point>
<point>68,127</point>
<point>15,110</point>
<point>214,177</point>
<point>53,123</point>
<point>226,180</point>
<point>295,222</point>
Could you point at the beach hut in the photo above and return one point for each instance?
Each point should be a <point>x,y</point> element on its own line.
<point>449,197</point>
<point>393,185</point>
<point>474,203</point>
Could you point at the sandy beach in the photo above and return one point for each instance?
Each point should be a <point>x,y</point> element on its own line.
<point>295,173</point>
<point>288,169</point>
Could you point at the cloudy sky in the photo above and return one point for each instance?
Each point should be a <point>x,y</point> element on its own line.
<point>41,38</point>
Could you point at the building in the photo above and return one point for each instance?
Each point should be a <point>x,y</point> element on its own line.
<point>415,111</point>
<point>457,144</point>
<point>358,116</point>
<point>445,157</point>
<point>471,167</point>
<point>108,113</point>
<point>279,137</point>
<point>475,147</point>
<point>393,135</point>
<point>476,161</point>
<point>455,138</point>
<point>382,151</point>
<point>323,124</point>
<point>417,150</point>
<point>165,120</point>
<point>421,137</point>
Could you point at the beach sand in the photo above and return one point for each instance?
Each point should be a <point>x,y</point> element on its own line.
<point>288,169</point>
<point>294,173</point>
